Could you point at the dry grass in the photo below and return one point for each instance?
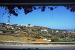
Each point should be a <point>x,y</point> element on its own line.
<point>23,39</point>
<point>71,32</point>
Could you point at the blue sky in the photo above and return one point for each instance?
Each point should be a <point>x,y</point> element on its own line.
<point>64,20</point>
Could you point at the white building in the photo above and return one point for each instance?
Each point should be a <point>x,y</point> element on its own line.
<point>22,25</point>
<point>1,31</point>
<point>7,23</point>
<point>18,25</point>
<point>57,31</point>
<point>52,31</point>
<point>29,25</point>
<point>48,40</point>
<point>45,39</point>
<point>26,25</point>
<point>9,26</point>
<point>12,28</point>
<point>44,30</point>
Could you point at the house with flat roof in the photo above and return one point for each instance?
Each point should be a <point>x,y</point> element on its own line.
<point>1,31</point>
<point>44,30</point>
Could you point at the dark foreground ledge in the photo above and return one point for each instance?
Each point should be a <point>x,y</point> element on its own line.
<point>37,2</point>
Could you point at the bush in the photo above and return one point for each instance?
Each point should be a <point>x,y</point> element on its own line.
<point>37,37</point>
<point>21,27</point>
<point>17,29</point>
<point>55,40</point>
<point>62,36</point>
<point>10,33</point>
<point>28,39</point>
<point>38,30</point>
<point>10,29</point>
<point>4,31</point>
<point>33,30</point>
<point>33,40</point>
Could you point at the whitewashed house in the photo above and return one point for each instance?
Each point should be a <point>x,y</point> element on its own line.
<point>21,25</point>
<point>44,39</point>
<point>12,28</point>
<point>18,25</point>
<point>29,25</point>
<point>44,30</point>
<point>52,31</point>
<point>1,31</point>
<point>9,26</point>
<point>26,25</point>
<point>7,23</point>
<point>48,40</point>
<point>57,31</point>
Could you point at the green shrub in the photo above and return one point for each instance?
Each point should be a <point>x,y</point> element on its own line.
<point>17,29</point>
<point>10,29</point>
<point>10,33</point>
<point>4,31</point>
<point>55,40</point>
<point>38,29</point>
<point>28,39</point>
<point>62,36</point>
<point>33,40</point>
<point>21,27</point>
<point>37,37</point>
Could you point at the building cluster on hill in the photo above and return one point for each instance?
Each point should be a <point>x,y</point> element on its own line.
<point>16,25</point>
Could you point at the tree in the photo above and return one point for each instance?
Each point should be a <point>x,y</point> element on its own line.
<point>55,40</point>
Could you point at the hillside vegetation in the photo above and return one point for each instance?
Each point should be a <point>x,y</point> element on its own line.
<point>34,34</point>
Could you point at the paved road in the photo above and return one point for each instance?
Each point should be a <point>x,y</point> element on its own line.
<point>68,47</point>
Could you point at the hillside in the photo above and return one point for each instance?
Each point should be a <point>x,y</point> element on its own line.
<point>34,33</point>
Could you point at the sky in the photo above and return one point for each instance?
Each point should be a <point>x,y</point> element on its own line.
<point>62,20</point>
